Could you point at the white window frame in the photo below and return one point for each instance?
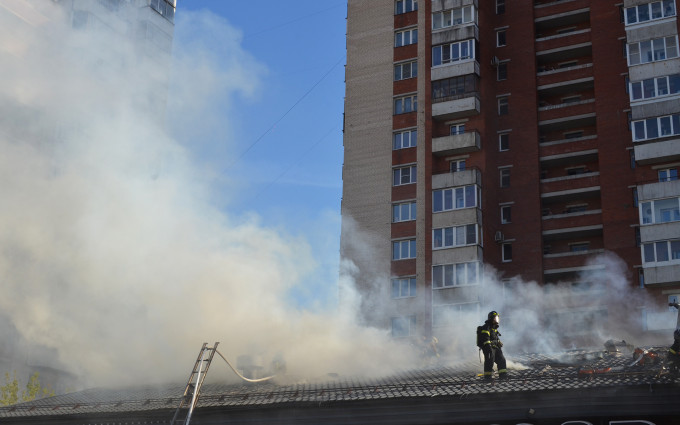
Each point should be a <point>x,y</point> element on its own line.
<point>399,68</point>
<point>406,6</point>
<point>448,275</point>
<point>449,314</point>
<point>401,246</point>
<point>404,139</point>
<point>403,287</point>
<point>642,129</point>
<point>503,64</point>
<point>452,17</point>
<point>668,244</point>
<point>449,236</point>
<point>668,174</point>
<point>506,214</point>
<point>401,102</point>
<point>655,210</point>
<point>669,47</point>
<point>450,196</point>
<point>452,48</point>
<point>504,174</point>
<point>505,135</point>
<point>456,129</point>
<point>401,178</point>
<point>504,42</point>
<point>503,105</point>
<point>656,84</point>
<point>500,7</point>
<point>457,165</point>
<point>628,12</point>
<point>406,37</point>
<point>407,322</point>
<point>404,211</point>
<point>504,257</point>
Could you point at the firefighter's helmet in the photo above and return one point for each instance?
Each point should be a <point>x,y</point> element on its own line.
<point>492,314</point>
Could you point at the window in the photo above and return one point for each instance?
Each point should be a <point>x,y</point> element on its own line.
<point>457,129</point>
<point>404,38</point>
<point>164,8</point>
<point>503,108</point>
<point>668,174</point>
<point>451,17</point>
<point>576,208</point>
<point>404,249</point>
<point>405,6</point>
<point>404,175</point>
<point>654,128</point>
<point>405,211</point>
<point>457,165</point>
<point>506,252</point>
<point>649,11</point>
<point>502,71</point>
<point>451,237</point>
<point>500,7</point>
<point>404,71</point>
<point>654,87</point>
<point>657,49</point>
<point>448,275</point>
<point>454,87</point>
<point>505,177</point>
<point>660,211</point>
<point>506,214</point>
<point>406,104</point>
<point>403,326</point>
<point>504,142</point>
<point>404,287</point>
<point>454,198</point>
<point>660,252</point>
<point>404,139</point>
<point>579,247</point>
<point>453,52</point>
<point>501,38</point>
<point>451,314</point>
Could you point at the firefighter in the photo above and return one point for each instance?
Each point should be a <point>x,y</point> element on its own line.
<point>674,353</point>
<point>492,347</point>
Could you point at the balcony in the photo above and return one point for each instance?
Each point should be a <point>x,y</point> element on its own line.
<point>550,113</point>
<point>455,33</point>
<point>463,254</point>
<point>570,195</point>
<point>572,220</point>
<point>548,8</point>
<point>549,75</point>
<point>454,69</point>
<point>566,260</point>
<point>457,143</point>
<point>458,106</point>
<point>662,275</point>
<point>458,178</point>
<point>657,152</point>
<point>555,147</point>
<point>567,183</point>
<point>567,157</point>
<point>561,54</point>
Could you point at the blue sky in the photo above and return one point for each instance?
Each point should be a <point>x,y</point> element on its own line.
<point>276,150</point>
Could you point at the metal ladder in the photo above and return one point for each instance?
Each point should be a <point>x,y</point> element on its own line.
<point>194,384</point>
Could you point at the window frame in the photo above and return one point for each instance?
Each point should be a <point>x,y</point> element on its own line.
<point>635,51</point>
<point>506,214</point>
<point>502,37</point>
<point>502,71</point>
<point>412,176</point>
<point>398,210</point>
<point>448,236</point>
<point>413,5</point>
<point>438,58</point>
<point>457,165</point>
<point>669,245</point>
<point>502,143</point>
<point>446,275</point>
<point>637,8</point>
<point>398,287</point>
<point>399,135</point>
<point>641,87</point>
<point>413,71</point>
<point>398,249</point>
<point>407,321</point>
<point>412,101</point>
<point>441,198</point>
<point>671,174</point>
<point>654,211</point>
<point>441,18</point>
<point>506,252</point>
<point>500,7</point>
<point>503,105</point>
<point>651,128</point>
<point>504,174</point>
<point>400,37</point>
<point>460,129</point>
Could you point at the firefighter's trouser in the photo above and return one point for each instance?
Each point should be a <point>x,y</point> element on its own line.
<point>494,355</point>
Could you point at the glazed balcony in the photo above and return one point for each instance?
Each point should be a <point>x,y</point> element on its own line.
<point>657,151</point>
<point>662,275</point>
<point>457,143</point>
<point>455,33</point>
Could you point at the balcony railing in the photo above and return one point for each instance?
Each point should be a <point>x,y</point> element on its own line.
<point>566,34</point>
<point>565,105</point>
<point>549,70</point>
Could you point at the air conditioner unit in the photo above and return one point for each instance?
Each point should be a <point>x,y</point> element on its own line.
<point>495,61</point>
<point>498,237</point>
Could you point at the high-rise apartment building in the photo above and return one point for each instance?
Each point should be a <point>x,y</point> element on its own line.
<point>524,136</point>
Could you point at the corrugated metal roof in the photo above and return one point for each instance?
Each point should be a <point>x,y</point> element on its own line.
<point>569,371</point>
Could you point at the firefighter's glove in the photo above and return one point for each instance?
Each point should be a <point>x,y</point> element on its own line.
<point>500,344</point>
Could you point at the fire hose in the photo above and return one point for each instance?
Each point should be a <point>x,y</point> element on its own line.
<point>241,376</point>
